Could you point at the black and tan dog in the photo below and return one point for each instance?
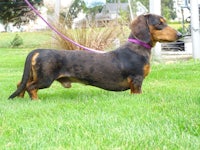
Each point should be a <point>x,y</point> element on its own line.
<point>118,70</point>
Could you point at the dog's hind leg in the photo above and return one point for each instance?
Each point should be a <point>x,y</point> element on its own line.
<point>21,94</point>
<point>135,83</point>
<point>33,94</point>
<point>34,86</point>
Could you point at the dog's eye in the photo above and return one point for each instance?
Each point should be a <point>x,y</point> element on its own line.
<point>159,26</point>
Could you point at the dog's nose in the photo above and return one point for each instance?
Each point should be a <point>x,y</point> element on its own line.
<point>179,35</point>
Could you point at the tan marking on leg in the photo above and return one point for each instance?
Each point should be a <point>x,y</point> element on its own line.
<point>33,94</point>
<point>135,84</point>
<point>130,81</point>
<point>22,92</point>
<point>146,69</point>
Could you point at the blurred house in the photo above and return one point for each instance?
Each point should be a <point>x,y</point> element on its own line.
<point>111,11</point>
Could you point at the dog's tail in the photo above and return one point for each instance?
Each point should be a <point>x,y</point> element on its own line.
<point>25,77</point>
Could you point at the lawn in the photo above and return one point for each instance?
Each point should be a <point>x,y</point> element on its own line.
<point>165,116</point>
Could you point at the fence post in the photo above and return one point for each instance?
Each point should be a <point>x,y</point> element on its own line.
<point>155,7</point>
<point>195,28</point>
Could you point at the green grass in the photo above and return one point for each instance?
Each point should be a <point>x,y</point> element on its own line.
<point>30,39</point>
<point>165,116</point>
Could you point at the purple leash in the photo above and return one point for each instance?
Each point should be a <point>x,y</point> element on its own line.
<point>59,33</point>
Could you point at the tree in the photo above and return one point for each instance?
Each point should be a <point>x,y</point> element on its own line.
<point>17,11</point>
<point>74,9</point>
<point>168,10</point>
<point>167,6</point>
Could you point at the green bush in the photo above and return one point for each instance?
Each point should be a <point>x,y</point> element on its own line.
<point>17,41</point>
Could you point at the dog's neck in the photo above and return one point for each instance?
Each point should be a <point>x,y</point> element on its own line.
<point>139,42</point>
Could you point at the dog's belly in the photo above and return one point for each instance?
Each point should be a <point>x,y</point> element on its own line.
<point>121,86</point>
<point>108,85</point>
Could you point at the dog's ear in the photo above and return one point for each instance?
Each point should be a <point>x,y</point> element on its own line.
<point>140,29</point>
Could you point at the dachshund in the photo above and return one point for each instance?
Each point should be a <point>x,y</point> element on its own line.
<point>118,70</point>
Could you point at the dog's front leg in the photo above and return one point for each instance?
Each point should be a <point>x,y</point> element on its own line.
<point>135,83</point>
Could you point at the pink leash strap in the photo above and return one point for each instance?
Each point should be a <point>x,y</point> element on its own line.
<point>59,33</point>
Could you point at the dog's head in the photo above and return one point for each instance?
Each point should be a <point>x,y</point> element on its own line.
<point>151,28</point>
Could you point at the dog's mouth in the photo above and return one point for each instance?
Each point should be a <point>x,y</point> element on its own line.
<point>176,37</point>
<point>167,41</point>
<point>179,35</point>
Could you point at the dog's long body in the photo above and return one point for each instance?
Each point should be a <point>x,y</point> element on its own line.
<point>118,70</point>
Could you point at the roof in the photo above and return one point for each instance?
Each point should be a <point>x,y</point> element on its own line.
<point>115,7</point>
